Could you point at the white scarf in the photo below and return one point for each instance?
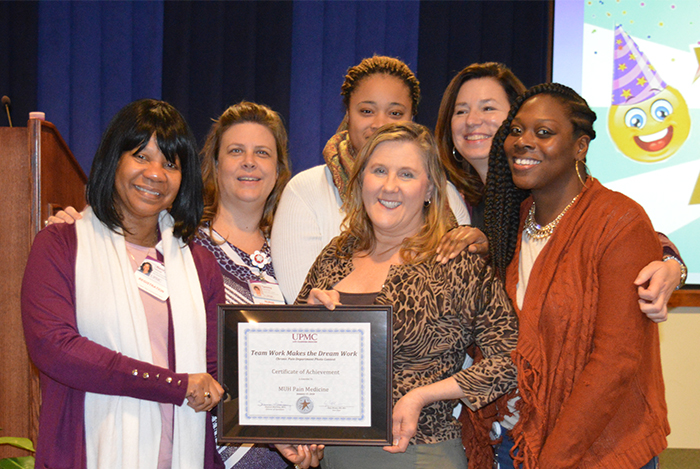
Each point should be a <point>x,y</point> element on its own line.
<point>124,432</point>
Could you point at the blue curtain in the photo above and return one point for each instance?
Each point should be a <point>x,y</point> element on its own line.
<point>328,38</point>
<point>219,53</point>
<point>82,61</point>
<point>456,34</point>
<point>18,59</point>
<point>291,56</point>
<point>94,58</point>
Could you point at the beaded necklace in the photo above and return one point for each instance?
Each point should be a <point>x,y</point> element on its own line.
<point>536,231</point>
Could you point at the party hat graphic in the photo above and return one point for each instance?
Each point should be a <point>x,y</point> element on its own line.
<point>634,78</point>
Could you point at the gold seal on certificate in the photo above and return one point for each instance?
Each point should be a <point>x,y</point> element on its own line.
<point>301,374</point>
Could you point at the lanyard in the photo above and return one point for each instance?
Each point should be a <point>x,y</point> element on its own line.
<point>233,255</point>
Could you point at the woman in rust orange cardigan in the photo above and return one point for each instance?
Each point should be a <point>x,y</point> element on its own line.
<point>589,370</point>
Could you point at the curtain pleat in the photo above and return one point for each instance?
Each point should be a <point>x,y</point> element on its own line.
<point>94,58</point>
<point>81,61</point>
<point>18,59</point>
<point>219,53</point>
<point>456,34</point>
<point>328,38</point>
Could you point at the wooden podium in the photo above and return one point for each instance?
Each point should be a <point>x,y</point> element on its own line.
<point>38,175</point>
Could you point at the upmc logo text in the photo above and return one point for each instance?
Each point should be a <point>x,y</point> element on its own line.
<point>304,337</point>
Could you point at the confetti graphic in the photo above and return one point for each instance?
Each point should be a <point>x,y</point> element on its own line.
<point>640,72</point>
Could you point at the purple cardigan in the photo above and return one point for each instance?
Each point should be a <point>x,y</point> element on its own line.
<point>71,364</point>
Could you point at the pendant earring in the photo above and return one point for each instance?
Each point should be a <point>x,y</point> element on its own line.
<point>459,158</point>
<point>585,171</point>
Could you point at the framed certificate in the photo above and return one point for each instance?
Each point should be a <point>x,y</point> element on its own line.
<point>304,374</point>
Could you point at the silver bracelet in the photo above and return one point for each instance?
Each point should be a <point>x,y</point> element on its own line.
<point>684,269</point>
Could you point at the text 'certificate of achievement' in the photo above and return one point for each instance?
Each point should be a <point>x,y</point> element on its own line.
<point>308,374</point>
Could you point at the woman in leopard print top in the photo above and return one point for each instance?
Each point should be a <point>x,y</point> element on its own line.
<point>396,214</point>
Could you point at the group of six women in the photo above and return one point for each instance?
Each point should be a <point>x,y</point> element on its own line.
<point>384,221</point>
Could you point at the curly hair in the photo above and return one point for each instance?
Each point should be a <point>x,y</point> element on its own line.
<point>384,65</point>
<point>461,173</point>
<point>357,233</point>
<point>503,197</point>
<point>237,114</point>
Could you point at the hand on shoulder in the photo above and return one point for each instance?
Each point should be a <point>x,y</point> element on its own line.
<point>456,240</point>
<point>69,215</point>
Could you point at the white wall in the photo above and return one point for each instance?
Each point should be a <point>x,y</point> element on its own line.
<point>680,359</point>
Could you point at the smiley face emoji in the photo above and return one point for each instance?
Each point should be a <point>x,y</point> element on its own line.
<point>652,130</point>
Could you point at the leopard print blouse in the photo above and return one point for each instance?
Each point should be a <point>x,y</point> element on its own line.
<point>438,311</point>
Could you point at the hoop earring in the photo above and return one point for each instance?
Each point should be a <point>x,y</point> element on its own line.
<point>586,171</point>
<point>460,158</point>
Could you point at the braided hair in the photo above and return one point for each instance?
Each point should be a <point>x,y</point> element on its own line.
<point>503,197</point>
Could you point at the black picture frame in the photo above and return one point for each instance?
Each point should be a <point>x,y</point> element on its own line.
<point>380,319</point>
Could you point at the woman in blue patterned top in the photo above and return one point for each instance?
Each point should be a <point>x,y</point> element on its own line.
<point>245,168</point>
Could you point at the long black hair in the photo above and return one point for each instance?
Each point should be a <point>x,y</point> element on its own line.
<point>503,197</point>
<point>131,129</point>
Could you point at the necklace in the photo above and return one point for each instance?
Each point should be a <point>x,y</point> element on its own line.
<point>259,258</point>
<point>536,231</point>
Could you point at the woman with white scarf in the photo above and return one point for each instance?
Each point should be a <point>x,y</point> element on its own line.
<point>127,360</point>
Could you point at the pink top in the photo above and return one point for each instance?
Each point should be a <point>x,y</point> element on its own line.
<point>157,318</point>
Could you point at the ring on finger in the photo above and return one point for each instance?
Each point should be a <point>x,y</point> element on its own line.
<point>207,395</point>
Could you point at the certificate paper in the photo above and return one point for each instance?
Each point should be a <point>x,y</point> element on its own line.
<point>305,374</point>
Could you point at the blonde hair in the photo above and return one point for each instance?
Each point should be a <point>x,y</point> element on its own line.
<point>357,232</point>
<point>237,114</point>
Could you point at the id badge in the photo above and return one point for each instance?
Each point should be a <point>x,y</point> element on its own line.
<point>150,277</point>
<point>265,293</point>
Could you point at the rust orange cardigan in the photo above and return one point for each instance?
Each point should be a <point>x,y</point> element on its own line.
<point>589,367</point>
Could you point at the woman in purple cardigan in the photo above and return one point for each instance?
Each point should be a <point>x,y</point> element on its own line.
<point>128,360</point>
